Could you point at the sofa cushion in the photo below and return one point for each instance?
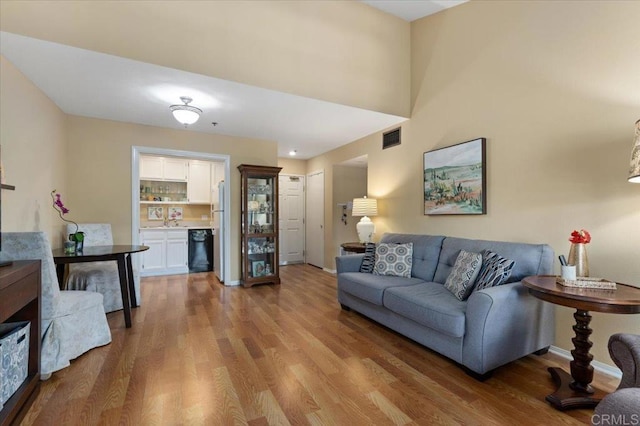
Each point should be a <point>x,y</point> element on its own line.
<point>462,278</point>
<point>429,304</point>
<point>371,287</point>
<point>369,260</point>
<point>495,270</point>
<point>426,251</point>
<point>394,259</point>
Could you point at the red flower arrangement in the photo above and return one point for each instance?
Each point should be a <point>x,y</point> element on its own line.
<point>580,237</point>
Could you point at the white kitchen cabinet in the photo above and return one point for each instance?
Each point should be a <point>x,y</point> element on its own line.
<point>217,173</point>
<point>163,168</point>
<point>177,249</point>
<point>154,259</point>
<point>151,167</point>
<point>167,252</point>
<point>175,169</point>
<point>199,183</point>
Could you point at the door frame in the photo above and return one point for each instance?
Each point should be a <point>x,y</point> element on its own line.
<point>137,151</point>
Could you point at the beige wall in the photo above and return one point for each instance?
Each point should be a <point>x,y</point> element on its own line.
<point>343,52</point>
<point>34,155</point>
<point>557,102</point>
<point>325,163</point>
<point>100,180</point>
<point>348,183</point>
<point>292,167</point>
<point>553,88</point>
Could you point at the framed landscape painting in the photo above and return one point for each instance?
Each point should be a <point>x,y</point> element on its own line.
<point>455,179</point>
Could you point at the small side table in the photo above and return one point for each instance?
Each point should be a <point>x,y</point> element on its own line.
<point>353,247</point>
<point>575,390</point>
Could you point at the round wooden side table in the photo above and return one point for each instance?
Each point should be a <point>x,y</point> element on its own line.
<point>353,247</point>
<point>575,390</point>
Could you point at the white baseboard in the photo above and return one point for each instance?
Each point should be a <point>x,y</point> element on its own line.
<point>331,271</point>
<point>600,367</point>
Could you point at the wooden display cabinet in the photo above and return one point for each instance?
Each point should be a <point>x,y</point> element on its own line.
<point>259,224</point>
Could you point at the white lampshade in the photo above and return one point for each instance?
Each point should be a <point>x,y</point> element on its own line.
<point>365,207</point>
<point>634,167</point>
<point>185,114</point>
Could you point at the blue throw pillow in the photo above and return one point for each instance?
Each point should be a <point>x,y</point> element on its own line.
<point>369,260</point>
<point>495,270</point>
<point>463,274</point>
<point>394,259</point>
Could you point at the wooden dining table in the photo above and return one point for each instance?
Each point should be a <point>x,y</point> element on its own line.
<point>118,253</point>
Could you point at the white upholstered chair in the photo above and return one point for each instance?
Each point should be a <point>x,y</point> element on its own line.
<point>101,277</point>
<point>73,322</point>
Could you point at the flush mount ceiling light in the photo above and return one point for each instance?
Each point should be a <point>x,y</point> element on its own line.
<point>185,114</point>
<point>293,153</point>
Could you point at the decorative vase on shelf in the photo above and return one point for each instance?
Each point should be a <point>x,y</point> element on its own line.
<point>578,257</point>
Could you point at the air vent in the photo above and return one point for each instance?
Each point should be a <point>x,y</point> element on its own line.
<point>391,138</point>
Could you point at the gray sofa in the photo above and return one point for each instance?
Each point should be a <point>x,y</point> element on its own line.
<point>493,327</point>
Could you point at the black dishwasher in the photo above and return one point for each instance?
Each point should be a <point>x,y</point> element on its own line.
<point>200,250</point>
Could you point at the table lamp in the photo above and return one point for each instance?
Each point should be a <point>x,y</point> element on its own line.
<point>365,207</point>
<point>634,167</point>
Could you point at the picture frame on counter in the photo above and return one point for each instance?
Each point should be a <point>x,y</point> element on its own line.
<point>155,213</point>
<point>174,213</point>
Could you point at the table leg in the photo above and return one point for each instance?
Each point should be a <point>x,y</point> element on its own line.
<point>575,391</point>
<point>132,284</point>
<point>124,290</point>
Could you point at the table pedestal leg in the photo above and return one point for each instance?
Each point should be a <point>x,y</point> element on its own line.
<point>575,391</point>
<point>132,286</point>
<point>124,290</point>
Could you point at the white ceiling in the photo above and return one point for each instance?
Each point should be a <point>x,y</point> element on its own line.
<point>410,10</point>
<point>91,84</point>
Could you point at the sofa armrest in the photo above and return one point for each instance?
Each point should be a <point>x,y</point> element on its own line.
<point>505,323</point>
<point>624,349</point>
<point>349,263</point>
<point>619,407</point>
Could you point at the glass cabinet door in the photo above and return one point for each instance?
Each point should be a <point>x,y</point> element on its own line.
<point>259,190</point>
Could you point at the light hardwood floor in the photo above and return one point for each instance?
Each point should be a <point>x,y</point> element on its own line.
<point>200,353</point>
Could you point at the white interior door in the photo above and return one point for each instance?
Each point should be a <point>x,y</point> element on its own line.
<point>315,219</point>
<point>291,222</point>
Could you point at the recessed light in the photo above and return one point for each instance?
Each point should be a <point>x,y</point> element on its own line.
<point>293,153</point>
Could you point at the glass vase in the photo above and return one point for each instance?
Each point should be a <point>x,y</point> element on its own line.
<point>578,257</point>
<point>78,239</point>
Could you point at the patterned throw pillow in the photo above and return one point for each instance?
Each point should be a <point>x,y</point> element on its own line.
<point>463,274</point>
<point>369,260</point>
<point>495,270</point>
<point>394,259</point>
